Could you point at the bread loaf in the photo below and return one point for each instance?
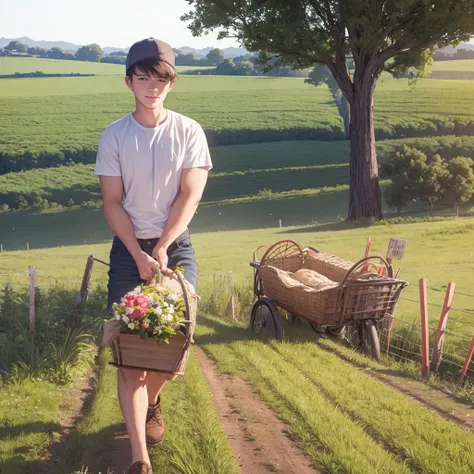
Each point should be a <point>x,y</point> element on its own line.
<point>312,279</point>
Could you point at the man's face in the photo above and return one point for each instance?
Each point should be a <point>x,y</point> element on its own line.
<point>150,91</point>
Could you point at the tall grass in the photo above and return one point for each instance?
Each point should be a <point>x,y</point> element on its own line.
<point>57,350</point>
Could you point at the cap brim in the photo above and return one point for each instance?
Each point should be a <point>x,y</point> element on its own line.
<point>151,57</point>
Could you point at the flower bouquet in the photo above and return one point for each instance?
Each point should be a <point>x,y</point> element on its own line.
<point>153,327</point>
<point>153,312</point>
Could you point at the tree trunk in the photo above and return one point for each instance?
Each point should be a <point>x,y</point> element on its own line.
<point>365,198</point>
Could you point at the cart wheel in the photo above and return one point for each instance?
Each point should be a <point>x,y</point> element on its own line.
<point>317,328</point>
<point>337,333</point>
<point>266,319</point>
<point>368,339</point>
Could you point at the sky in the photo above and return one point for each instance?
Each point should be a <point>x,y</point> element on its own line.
<point>117,23</point>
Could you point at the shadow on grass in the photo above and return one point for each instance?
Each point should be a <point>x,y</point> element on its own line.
<point>93,451</point>
<point>222,331</point>
<point>410,379</point>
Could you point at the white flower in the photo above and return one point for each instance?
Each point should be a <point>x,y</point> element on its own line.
<point>131,326</point>
<point>158,311</point>
<point>169,317</point>
<point>171,310</point>
<point>128,311</point>
<point>117,316</point>
<point>126,319</point>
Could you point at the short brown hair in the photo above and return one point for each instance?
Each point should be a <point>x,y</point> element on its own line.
<point>154,68</point>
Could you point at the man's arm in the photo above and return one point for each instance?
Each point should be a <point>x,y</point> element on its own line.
<point>121,225</point>
<point>193,182</point>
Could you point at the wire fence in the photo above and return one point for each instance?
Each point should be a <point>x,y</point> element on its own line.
<point>402,339</point>
<point>400,336</point>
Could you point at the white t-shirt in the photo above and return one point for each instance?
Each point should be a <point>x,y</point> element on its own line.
<point>150,162</point>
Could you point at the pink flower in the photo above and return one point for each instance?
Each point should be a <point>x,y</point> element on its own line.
<point>129,301</point>
<point>145,325</point>
<point>137,313</point>
<point>141,299</point>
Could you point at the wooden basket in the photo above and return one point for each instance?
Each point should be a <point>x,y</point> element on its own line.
<point>169,360</point>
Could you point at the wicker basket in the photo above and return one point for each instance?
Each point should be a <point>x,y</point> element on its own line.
<point>355,295</point>
<point>317,306</point>
<point>169,360</point>
<point>330,266</point>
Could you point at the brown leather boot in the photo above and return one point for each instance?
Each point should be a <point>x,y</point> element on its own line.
<point>140,467</point>
<point>155,428</point>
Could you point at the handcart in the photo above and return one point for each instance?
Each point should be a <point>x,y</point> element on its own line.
<point>359,295</point>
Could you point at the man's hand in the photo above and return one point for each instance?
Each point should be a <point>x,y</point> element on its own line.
<point>147,266</point>
<point>160,254</point>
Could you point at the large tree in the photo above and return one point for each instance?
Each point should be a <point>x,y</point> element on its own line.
<point>91,52</point>
<point>17,46</point>
<point>215,56</point>
<point>377,34</point>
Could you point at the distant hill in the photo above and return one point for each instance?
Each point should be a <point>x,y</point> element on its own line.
<point>228,52</point>
<point>65,46</point>
<point>41,44</point>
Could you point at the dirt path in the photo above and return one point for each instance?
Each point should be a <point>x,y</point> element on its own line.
<point>71,410</point>
<point>256,435</point>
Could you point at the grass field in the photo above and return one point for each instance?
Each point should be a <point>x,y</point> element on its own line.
<point>359,425</point>
<point>456,65</point>
<point>61,66</point>
<point>289,169</point>
<point>28,418</point>
<point>439,251</point>
<point>84,109</point>
<point>233,109</point>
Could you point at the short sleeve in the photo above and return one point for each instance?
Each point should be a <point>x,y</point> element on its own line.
<point>107,161</point>
<point>197,150</point>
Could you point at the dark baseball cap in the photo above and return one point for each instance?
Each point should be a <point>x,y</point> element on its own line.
<point>150,48</point>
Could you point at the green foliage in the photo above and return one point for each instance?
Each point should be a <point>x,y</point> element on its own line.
<point>90,52</point>
<point>215,56</point>
<point>459,183</point>
<point>430,179</point>
<point>56,351</point>
<point>305,33</point>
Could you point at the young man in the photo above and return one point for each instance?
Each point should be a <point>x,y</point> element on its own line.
<point>153,166</point>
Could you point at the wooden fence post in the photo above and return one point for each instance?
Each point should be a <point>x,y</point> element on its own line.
<point>437,353</point>
<point>83,291</point>
<point>388,331</point>
<point>425,343</point>
<point>470,352</point>
<point>32,299</point>
<point>230,310</point>
<point>367,247</point>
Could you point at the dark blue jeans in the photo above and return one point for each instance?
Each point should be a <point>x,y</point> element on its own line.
<point>124,275</point>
